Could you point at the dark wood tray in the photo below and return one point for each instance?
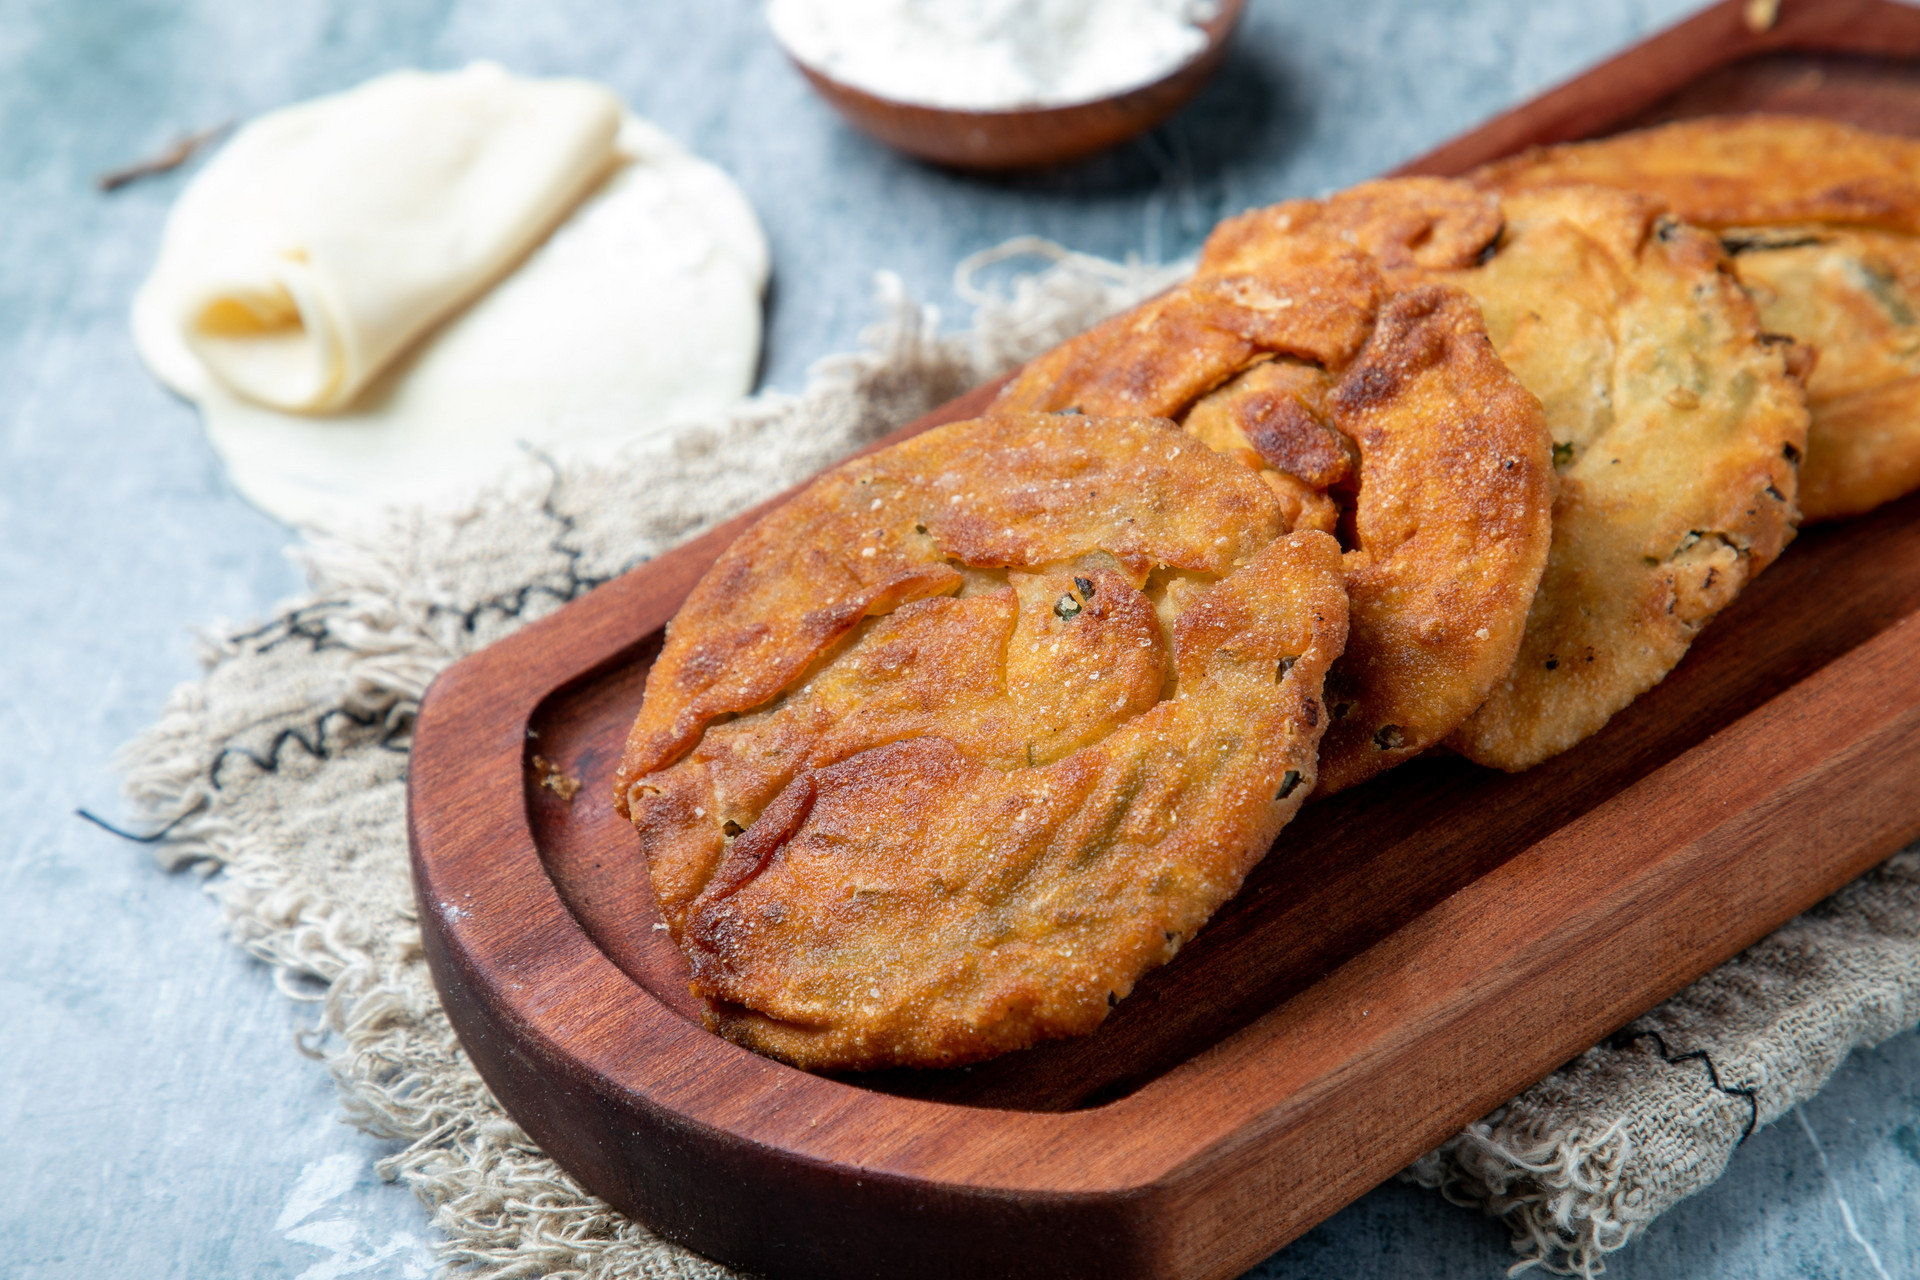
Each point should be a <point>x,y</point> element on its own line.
<point>1409,955</point>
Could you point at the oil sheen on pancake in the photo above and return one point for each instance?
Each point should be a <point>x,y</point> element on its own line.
<point>1823,220</point>
<point>948,750</point>
<point>1373,407</point>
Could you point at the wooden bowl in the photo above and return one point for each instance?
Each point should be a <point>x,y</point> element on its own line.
<point>1028,137</point>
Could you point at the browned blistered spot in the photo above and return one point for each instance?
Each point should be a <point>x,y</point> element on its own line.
<point>1273,415</point>
<point>1404,346</point>
<point>1284,433</point>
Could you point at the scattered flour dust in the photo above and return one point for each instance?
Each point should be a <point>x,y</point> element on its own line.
<point>991,55</point>
<point>312,1217</point>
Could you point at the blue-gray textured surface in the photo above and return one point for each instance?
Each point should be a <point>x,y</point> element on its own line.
<point>157,1119</point>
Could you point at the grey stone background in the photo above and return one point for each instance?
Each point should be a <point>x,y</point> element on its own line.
<point>155,1120</point>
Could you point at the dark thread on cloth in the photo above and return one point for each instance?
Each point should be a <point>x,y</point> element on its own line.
<point>154,837</point>
<point>1627,1039</point>
<point>309,624</point>
<point>301,624</point>
<point>310,738</point>
<point>513,603</point>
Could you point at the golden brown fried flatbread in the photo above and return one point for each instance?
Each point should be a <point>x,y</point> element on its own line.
<point>951,748</point>
<point>1409,421</point>
<point>1448,515</point>
<point>1676,422</point>
<point>1854,296</point>
<point>1731,171</point>
<point>1824,222</point>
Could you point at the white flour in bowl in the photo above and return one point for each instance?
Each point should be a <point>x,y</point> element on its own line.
<point>992,55</point>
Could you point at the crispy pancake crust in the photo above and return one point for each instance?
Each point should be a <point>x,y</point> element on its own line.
<point>1401,224</point>
<point>971,817</point>
<point>1853,295</point>
<point>1824,223</point>
<point>1452,523</point>
<point>1676,422</point>
<point>1310,298</point>
<point>1731,171</point>
<point>1439,456</point>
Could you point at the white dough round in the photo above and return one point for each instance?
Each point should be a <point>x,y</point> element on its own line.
<point>640,312</point>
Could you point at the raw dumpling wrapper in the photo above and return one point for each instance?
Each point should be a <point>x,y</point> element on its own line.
<point>329,235</point>
<point>639,312</point>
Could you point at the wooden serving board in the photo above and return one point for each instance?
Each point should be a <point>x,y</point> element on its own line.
<point>1409,955</point>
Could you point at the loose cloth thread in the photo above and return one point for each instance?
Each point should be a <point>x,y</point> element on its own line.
<point>282,769</point>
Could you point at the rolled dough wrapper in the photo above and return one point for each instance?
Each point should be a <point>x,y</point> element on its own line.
<point>640,312</point>
<point>328,236</point>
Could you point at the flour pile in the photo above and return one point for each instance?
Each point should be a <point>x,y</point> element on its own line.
<point>992,55</point>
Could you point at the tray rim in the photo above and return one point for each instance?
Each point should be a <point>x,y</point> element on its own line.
<point>581,1000</point>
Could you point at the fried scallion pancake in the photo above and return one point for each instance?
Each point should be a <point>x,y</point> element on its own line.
<point>1385,416</point>
<point>1676,420</point>
<point>947,751</point>
<point>1441,461</point>
<point>1400,224</point>
<point>1854,296</point>
<point>1732,171</point>
<point>1823,220</point>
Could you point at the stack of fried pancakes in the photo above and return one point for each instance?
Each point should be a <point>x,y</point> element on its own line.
<point>948,751</point>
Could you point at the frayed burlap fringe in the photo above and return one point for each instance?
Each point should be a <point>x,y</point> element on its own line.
<point>281,773</point>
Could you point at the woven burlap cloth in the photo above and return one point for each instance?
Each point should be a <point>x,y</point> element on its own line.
<point>282,771</point>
